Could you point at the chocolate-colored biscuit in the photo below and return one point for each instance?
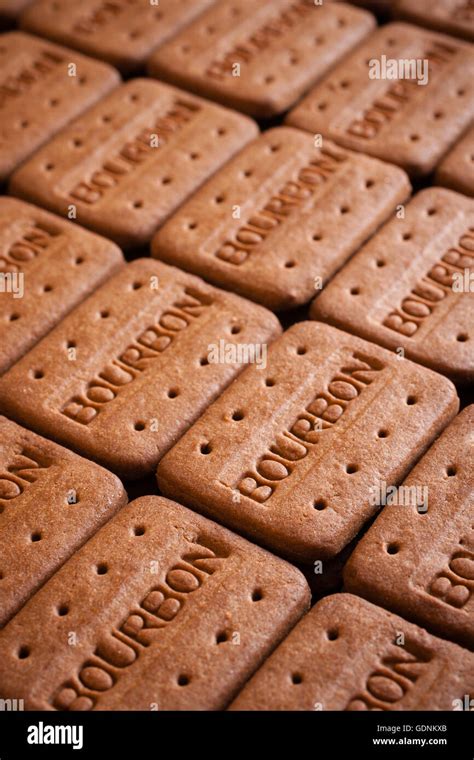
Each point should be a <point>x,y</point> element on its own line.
<point>143,368</point>
<point>51,501</point>
<point>47,266</point>
<point>169,612</point>
<point>42,87</point>
<point>347,654</point>
<point>456,170</point>
<point>424,539</point>
<point>121,32</point>
<point>289,454</point>
<point>449,16</point>
<point>303,212</point>
<point>410,287</point>
<point>375,100</point>
<point>129,162</point>
<point>260,57</point>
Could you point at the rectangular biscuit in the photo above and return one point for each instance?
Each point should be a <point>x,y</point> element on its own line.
<point>449,16</point>
<point>456,170</point>
<point>347,654</point>
<point>417,559</point>
<point>51,502</point>
<point>140,374</point>
<point>288,455</point>
<point>130,161</point>
<point>42,87</point>
<point>260,57</point>
<point>47,266</point>
<point>168,610</point>
<point>410,287</point>
<point>303,210</point>
<point>121,32</point>
<point>368,103</point>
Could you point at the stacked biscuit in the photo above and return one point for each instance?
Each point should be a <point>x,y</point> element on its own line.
<point>236,345</point>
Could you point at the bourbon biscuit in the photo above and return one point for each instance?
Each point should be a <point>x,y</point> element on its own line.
<point>418,557</point>
<point>147,362</point>
<point>130,161</point>
<point>42,88</point>
<point>302,212</point>
<point>47,267</point>
<point>405,95</point>
<point>51,501</point>
<point>169,611</point>
<point>289,454</point>
<point>347,654</point>
<point>411,288</point>
<point>260,57</point>
<point>449,16</point>
<point>456,170</point>
<point>121,32</point>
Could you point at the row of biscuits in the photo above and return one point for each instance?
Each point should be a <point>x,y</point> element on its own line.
<point>270,218</point>
<point>165,609</point>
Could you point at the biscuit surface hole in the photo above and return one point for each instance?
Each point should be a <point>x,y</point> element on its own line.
<point>320,504</point>
<point>35,537</point>
<point>238,415</point>
<point>451,471</point>
<point>462,337</point>
<point>411,400</point>
<point>38,374</point>
<point>139,530</point>
<point>139,426</point>
<point>296,678</point>
<point>351,469</point>
<point>101,568</point>
<point>62,610</point>
<point>257,595</point>
<point>23,652</point>
<point>205,448</point>
<point>382,434</point>
<point>392,548</point>
<point>332,634</point>
<point>183,680</point>
<point>222,637</point>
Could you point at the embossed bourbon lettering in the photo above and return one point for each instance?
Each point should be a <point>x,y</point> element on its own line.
<point>454,585</point>
<point>385,108</point>
<point>18,84</point>
<point>36,238</point>
<point>436,286</point>
<point>133,153</point>
<point>23,470</point>
<point>292,195</point>
<point>136,357</point>
<point>393,678</point>
<point>261,39</point>
<point>99,17</point>
<point>140,629</point>
<point>324,411</point>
